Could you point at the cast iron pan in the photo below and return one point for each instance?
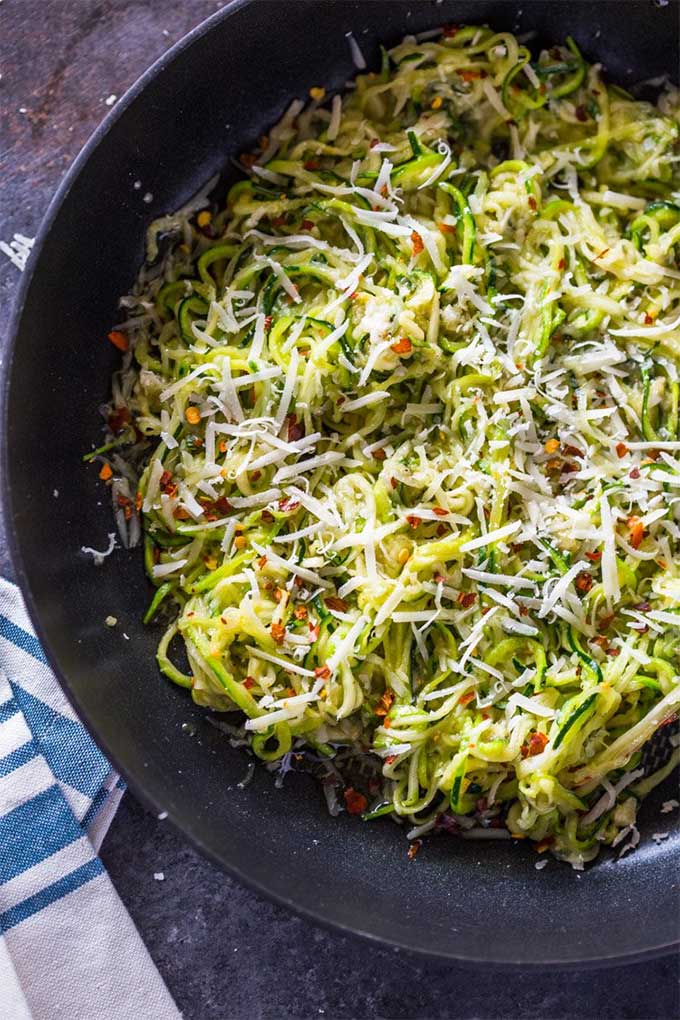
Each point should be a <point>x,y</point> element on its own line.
<point>206,100</point>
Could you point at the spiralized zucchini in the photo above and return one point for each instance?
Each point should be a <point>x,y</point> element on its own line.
<point>401,417</point>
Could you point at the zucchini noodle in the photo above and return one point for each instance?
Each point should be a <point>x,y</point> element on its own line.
<point>401,417</point>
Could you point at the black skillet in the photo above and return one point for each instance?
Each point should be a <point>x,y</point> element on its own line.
<point>205,101</point>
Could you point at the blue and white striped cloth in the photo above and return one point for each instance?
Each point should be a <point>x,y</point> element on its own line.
<point>68,947</point>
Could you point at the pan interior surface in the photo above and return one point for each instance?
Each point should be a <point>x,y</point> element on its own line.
<point>208,100</point>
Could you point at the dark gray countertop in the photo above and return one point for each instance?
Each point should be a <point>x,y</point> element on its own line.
<point>225,952</point>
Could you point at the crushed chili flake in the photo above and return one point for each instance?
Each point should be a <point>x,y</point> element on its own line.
<point>440,511</point>
<point>287,505</point>
<point>300,612</point>
<point>311,164</point>
<point>385,703</point>
<point>581,114</point>
<point>634,474</point>
<point>649,319</point>
<point>562,264</point>
<point>139,499</point>
<point>180,513</point>
<point>379,454</point>
<point>118,339</point>
<point>390,759</point>
<point>278,632</point>
<point>417,242</point>
<point>402,346</point>
<point>322,672</point>
<point>262,562</point>
<point>118,419</point>
<point>449,31</point>
<point>333,602</point>
<point>441,529</point>
<point>605,251</point>
<point>446,228</point>
<point>613,652</point>
<point>268,319</point>
<point>594,557</point>
<point>413,520</point>
<point>394,483</point>
<point>295,429</point>
<point>355,802</point>
<point>249,682</point>
<point>537,742</point>
<point>465,699</point>
<point>533,205</point>
<point>106,472</point>
<point>637,531</point>
<point>414,848</point>
<point>466,599</point>
<point>584,582</point>
<point>621,449</point>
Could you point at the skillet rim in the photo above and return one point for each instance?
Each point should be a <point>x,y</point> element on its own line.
<point>7,504</point>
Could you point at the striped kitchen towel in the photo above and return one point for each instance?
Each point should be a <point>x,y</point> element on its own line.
<point>68,947</point>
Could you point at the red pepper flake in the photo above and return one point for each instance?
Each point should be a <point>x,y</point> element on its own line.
<point>523,611</point>
<point>295,429</point>
<point>594,557</point>
<point>449,31</point>
<point>546,842</point>
<point>311,164</point>
<point>355,802</point>
<point>649,319</point>
<point>300,612</point>
<point>440,511</point>
<point>613,652</point>
<point>439,578</point>
<point>385,703</point>
<point>532,203</point>
<point>249,682</point>
<point>446,228</point>
<point>621,450</point>
<point>307,224</point>
<point>105,472</point>
<point>139,499</point>
<point>441,529</point>
<point>379,454</point>
<point>118,339</point>
<point>584,582</point>
<point>605,251</point>
<point>387,722</point>
<point>581,113</point>
<point>268,319</point>
<point>417,242</point>
<point>118,419</point>
<point>390,759</point>
<point>180,513</point>
<point>402,346</point>
<point>373,143</point>
<point>668,720</point>
<point>255,475</point>
<point>562,264</point>
<point>313,630</point>
<point>634,474</point>
<point>278,221</point>
<point>339,605</point>
<point>414,848</point>
<point>600,640</point>
<point>471,75</point>
<point>465,699</point>
<point>278,632</point>
<point>466,599</point>
<point>322,672</point>
<point>637,531</point>
<point>394,483</point>
<point>248,159</point>
<point>537,742</point>
<point>262,562</point>
<point>413,520</point>
<point>288,505</point>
